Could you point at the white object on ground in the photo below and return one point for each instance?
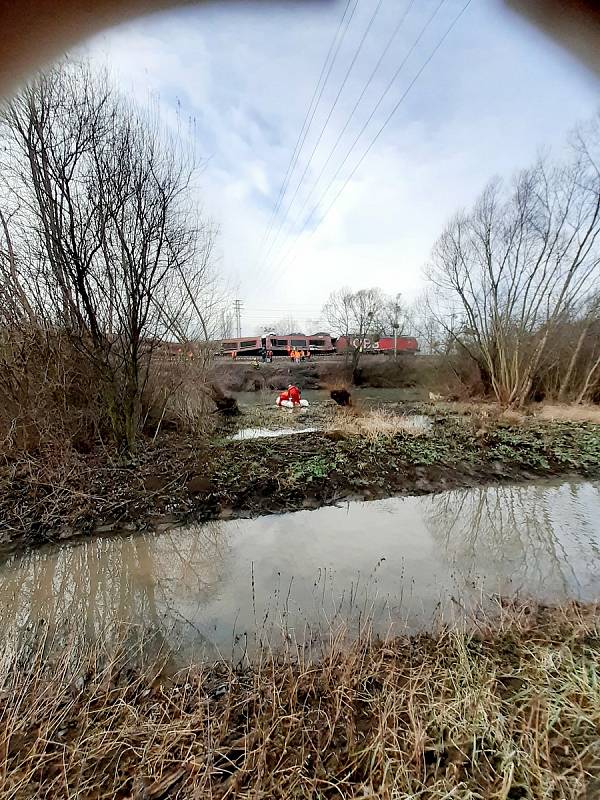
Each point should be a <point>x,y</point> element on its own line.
<point>289,404</point>
<point>265,433</point>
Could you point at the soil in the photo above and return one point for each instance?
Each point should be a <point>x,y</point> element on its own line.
<point>332,373</point>
<point>184,479</point>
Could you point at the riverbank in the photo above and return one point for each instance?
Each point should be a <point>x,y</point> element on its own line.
<point>424,373</point>
<point>49,497</point>
<point>510,709</point>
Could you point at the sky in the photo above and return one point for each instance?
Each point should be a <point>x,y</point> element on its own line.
<point>479,101</point>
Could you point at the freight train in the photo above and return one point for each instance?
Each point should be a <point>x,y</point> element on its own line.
<point>316,344</point>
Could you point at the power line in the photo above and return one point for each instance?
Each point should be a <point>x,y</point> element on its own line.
<point>359,101</point>
<point>365,125</point>
<point>377,135</point>
<point>308,118</point>
<point>326,123</point>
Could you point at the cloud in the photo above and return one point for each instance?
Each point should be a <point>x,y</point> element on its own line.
<point>239,79</point>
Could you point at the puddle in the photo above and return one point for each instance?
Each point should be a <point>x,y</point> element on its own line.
<point>265,433</point>
<point>416,422</point>
<point>211,588</point>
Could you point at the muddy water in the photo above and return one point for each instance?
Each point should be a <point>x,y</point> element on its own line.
<point>215,588</point>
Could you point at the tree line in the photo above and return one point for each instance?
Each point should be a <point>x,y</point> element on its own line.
<point>514,281</point>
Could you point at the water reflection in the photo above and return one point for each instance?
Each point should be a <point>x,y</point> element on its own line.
<point>405,559</point>
<point>540,540</point>
<point>147,582</point>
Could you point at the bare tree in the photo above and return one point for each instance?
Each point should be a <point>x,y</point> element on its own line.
<point>435,327</point>
<point>121,260</point>
<point>516,264</point>
<point>358,316</point>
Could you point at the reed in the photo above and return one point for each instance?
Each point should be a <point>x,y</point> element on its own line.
<point>507,709</point>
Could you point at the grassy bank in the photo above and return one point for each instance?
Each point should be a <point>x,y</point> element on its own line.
<point>48,497</point>
<point>511,710</point>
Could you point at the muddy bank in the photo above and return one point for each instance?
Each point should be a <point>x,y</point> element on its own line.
<point>184,479</point>
<point>242,376</point>
<point>427,372</point>
<point>509,711</point>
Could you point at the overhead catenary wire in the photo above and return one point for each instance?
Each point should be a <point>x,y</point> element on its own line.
<point>310,113</point>
<point>371,143</point>
<point>340,91</point>
<point>367,122</point>
<point>360,99</point>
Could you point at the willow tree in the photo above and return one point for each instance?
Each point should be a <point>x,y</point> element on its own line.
<point>516,263</point>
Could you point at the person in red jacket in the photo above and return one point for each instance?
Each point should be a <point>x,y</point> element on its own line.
<point>291,398</point>
<point>294,394</point>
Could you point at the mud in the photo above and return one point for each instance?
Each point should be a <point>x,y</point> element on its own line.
<point>179,479</point>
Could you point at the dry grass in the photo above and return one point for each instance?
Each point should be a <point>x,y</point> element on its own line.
<point>50,396</point>
<point>511,711</point>
<point>377,422</point>
<point>548,412</point>
<point>178,395</point>
<point>569,413</point>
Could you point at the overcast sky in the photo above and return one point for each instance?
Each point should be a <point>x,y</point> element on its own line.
<point>240,80</point>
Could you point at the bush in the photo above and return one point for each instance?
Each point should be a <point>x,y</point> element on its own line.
<point>47,395</point>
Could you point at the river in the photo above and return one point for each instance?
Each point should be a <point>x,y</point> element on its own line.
<point>403,562</point>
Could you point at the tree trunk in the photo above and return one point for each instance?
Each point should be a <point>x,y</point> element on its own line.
<point>588,381</point>
<point>355,369</point>
<point>564,387</point>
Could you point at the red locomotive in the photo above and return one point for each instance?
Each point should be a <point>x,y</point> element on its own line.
<point>382,344</point>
